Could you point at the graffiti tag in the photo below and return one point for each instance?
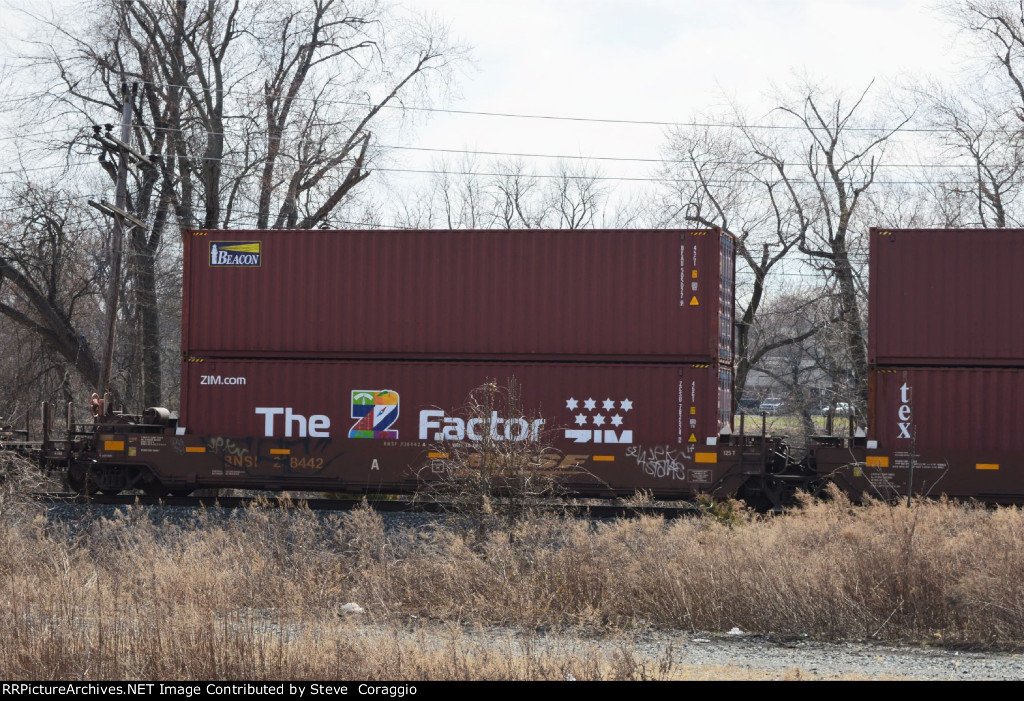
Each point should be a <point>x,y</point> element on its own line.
<point>659,461</point>
<point>226,446</point>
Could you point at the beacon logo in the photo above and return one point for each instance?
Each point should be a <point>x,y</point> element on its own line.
<point>235,254</point>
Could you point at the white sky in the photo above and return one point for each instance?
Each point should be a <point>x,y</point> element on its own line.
<point>665,60</point>
<point>659,60</point>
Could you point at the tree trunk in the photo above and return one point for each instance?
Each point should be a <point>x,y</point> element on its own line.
<point>856,341</point>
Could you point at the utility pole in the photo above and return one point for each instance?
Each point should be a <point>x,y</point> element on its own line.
<point>122,220</point>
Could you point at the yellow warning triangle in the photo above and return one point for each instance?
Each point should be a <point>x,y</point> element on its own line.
<point>693,438</point>
<point>694,302</point>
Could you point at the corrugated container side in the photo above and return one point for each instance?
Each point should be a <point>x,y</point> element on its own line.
<point>632,425</point>
<point>727,299</point>
<point>946,297</point>
<point>963,424</point>
<point>726,381</point>
<point>218,395</point>
<point>660,296</point>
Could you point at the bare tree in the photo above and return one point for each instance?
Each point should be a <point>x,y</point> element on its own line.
<point>713,181</point>
<point>796,188</point>
<point>505,195</point>
<point>999,26</point>
<point>575,195</point>
<point>991,140</point>
<point>790,365</point>
<point>980,124</point>
<point>814,373</point>
<point>256,113</point>
<point>513,191</point>
<point>48,275</point>
<point>826,176</point>
<point>460,192</point>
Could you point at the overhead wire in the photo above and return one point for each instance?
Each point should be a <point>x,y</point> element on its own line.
<point>559,156</point>
<point>587,158</point>
<point>557,176</point>
<point>596,177</point>
<point>534,116</point>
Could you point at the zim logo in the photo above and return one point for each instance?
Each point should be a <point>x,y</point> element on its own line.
<point>599,421</point>
<point>235,254</point>
<point>376,411</point>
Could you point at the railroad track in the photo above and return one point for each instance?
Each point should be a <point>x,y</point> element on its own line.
<point>597,511</point>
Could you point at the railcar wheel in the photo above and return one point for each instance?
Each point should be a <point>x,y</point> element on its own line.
<point>80,481</point>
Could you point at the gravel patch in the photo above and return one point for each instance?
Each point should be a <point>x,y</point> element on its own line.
<point>847,659</point>
<point>723,656</point>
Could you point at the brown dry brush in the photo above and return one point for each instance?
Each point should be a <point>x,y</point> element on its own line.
<point>19,476</point>
<point>496,471</point>
<point>254,598</point>
<point>257,594</point>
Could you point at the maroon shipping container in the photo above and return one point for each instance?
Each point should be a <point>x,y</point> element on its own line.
<point>662,296</point>
<point>946,297</point>
<point>962,426</point>
<point>373,425</point>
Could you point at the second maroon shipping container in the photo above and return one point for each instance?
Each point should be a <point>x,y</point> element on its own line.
<point>960,425</point>
<point>650,296</point>
<point>358,424</point>
<point>946,297</point>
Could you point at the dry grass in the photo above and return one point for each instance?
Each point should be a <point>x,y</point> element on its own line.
<point>491,483</point>
<point>257,595</point>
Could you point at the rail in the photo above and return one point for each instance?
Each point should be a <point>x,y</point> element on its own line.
<point>595,511</point>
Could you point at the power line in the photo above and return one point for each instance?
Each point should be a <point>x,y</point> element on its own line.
<point>655,179</point>
<point>63,166</point>
<point>570,176</point>
<point>618,178</point>
<point>471,152</point>
<point>547,117</point>
<point>665,161</point>
<point>48,132</point>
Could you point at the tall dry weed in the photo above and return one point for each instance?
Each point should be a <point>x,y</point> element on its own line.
<point>258,593</point>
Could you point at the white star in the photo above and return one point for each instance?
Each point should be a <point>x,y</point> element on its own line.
<point>571,404</point>
<point>581,419</point>
<point>598,420</point>
<point>608,404</point>
<point>590,404</point>
<point>616,420</point>
<point>626,405</point>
